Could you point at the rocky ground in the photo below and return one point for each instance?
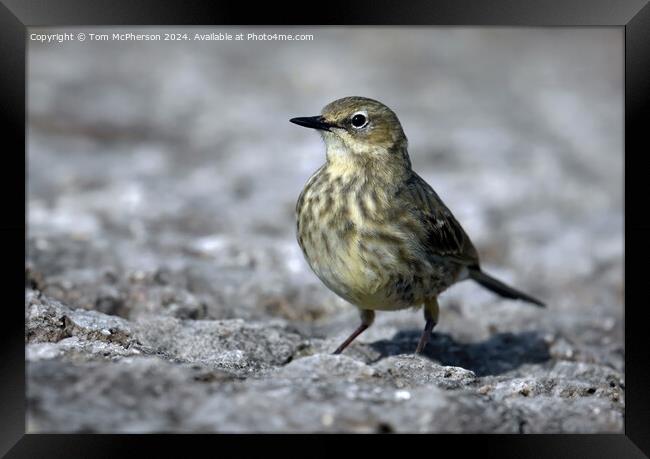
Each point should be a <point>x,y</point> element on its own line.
<point>165,290</point>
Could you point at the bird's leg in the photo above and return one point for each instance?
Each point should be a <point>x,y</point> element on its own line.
<point>431,316</point>
<point>367,317</point>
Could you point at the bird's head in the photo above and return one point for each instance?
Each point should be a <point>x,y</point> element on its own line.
<point>359,129</point>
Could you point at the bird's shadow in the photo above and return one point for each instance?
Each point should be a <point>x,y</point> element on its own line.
<point>498,354</point>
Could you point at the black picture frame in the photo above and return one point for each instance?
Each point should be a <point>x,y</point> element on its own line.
<point>632,15</point>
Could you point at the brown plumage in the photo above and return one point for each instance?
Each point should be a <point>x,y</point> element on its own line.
<point>372,229</point>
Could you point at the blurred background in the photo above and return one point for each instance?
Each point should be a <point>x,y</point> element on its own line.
<point>163,176</point>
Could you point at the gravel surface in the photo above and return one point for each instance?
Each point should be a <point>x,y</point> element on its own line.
<point>164,288</point>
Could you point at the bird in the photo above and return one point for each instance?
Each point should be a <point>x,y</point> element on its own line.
<point>372,230</point>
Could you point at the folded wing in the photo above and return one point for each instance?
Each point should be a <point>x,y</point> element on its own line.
<point>439,233</point>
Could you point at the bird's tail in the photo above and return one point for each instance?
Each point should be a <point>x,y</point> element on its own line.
<point>500,288</point>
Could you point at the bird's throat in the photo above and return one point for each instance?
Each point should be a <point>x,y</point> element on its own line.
<point>375,169</point>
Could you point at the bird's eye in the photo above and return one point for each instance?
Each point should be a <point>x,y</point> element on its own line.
<point>359,120</point>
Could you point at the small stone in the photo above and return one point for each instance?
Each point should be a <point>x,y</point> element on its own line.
<point>402,395</point>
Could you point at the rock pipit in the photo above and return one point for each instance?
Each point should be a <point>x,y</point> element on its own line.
<point>372,229</point>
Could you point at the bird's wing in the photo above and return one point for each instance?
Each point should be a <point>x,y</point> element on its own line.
<point>439,233</point>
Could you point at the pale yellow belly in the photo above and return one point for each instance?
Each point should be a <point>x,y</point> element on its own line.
<point>377,281</point>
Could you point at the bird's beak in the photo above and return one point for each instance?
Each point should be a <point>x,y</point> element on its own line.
<point>314,122</point>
